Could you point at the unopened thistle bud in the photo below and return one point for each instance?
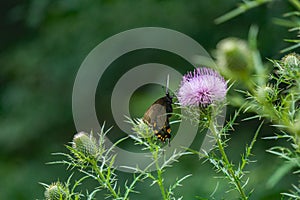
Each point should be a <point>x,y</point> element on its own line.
<point>292,60</point>
<point>265,94</point>
<point>289,67</point>
<point>86,144</point>
<point>56,191</point>
<point>142,129</point>
<point>234,58</point>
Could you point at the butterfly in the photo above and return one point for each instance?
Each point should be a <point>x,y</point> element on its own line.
<point>158,114</point>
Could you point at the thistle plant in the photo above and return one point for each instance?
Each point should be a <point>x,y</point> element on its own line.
<point>278,101</point>
<point>144,137</point>
<point>202,94</point>
<point>269,90</point>
<point>93,160</point>
<point>206,89</point>
<point>274,93</point>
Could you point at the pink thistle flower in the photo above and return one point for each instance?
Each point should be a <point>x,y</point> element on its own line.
<point>202,87</point>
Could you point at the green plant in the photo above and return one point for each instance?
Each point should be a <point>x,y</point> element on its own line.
<point>274,94</point>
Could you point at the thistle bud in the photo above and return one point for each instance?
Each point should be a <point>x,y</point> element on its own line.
<point>289,67</point>
<point>234,58</point>
<point>142,129</point>
<point>56,191</point>
<point>265,94</point>
<point>86,144</point>
<point>291,60</point>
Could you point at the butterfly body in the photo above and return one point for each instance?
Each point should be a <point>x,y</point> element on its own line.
<point>157,116</point>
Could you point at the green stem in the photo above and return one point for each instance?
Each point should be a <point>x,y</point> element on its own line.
<point>228,164</point>
<point>101,179</point>
<point>155,152</point>
<point>160,184</point>
<point>239,10</point>
<point>136,179</point>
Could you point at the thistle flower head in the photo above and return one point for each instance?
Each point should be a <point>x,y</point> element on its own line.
<point>142,129</point>
<point>202,87</point>
<point>265,94</point>
<point>289,67</point>
<point>291,60</point>
<point>86,144</point>
<point>233,56</point>
<point>56,191</point>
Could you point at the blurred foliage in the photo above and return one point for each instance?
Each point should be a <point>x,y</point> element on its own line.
<point>43,43</point>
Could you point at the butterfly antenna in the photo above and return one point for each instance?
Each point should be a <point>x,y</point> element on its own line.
<point>167,85</point>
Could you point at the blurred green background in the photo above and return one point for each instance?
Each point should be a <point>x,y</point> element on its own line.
<point>43,43</point>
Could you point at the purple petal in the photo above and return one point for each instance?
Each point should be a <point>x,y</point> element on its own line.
<point>203,86</point>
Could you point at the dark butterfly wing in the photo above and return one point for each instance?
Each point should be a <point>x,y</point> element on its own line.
<point>157,116</point>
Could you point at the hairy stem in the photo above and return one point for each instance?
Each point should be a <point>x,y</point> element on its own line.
<point>225,159</point>
<point>155,153</point>
<point>102,180</point>
<point>160,183</point>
